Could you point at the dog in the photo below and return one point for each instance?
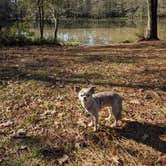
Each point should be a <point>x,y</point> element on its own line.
<point>93,102</point>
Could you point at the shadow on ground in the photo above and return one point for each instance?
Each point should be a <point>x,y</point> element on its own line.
<point>52,65</point>
<point>38,146</point>
<point>106,138</point>
<point>145,133</point>
<point>14,73</point>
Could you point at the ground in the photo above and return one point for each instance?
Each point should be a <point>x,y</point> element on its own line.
<point>42,122</point>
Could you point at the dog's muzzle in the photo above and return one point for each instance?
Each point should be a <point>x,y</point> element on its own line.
<point>85,99</point>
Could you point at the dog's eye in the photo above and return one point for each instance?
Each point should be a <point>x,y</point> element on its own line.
<point>87,95</point>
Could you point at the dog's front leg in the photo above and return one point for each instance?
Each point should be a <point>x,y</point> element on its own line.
<point>95,121</point>
<point>91,123</point>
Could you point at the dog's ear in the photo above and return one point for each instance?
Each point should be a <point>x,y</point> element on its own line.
<point>77,89</point>
<point>92,89</point>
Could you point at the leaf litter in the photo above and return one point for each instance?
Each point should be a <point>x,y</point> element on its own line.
<point>39,106</point>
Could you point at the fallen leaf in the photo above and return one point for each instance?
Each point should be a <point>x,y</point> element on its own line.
<point>77,145</point>
<point>162,159</point>
<point>81,123</point>
<point>6,124</point>
<point>23,147</point>
<point>115,159</point>
<point>136,102</point>
<point>21,133</point>
<point>63,159</point>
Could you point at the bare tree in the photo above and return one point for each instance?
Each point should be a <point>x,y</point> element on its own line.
<point>151,31</point>
<point>40,4</point>
<point>54,15</point>
<point>54,6</point>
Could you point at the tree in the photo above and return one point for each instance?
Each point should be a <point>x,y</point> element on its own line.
<point>5,13</point>
<point>54,6</point>
<point>51,6</point>
<point>40,5</point>
<point>151,31</point>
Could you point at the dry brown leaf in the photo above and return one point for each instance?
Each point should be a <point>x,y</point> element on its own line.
<point>63,159</point>
<point>115,159</point>
<point>6,124</point>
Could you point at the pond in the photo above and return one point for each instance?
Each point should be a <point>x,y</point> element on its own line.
<point>102,32</point>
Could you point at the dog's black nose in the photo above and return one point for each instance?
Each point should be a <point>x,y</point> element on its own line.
<point>84,98</point>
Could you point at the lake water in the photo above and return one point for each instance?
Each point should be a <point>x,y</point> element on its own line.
<point>102,32</point>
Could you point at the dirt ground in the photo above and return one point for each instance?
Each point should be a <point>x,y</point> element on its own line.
<point>43,123</point>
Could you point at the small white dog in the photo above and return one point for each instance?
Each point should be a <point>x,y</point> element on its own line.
<point>92,103</point>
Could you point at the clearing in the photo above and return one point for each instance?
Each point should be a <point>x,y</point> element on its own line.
<point>42,122</point>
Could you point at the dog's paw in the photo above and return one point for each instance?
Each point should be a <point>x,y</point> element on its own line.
<point>90,124</point>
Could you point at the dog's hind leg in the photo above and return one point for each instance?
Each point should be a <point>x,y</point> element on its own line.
<point>109,111</point>
<point>119,117</point>
<point>116,110</point>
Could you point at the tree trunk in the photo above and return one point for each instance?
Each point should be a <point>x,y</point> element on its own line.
<point>56,25</point>
<point>41,18</point>
<point>151,31</point>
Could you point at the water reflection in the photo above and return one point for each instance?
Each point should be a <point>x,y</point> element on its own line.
<point>102,32</point>
<point>97,36</point>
